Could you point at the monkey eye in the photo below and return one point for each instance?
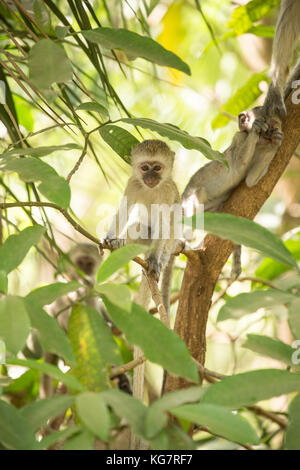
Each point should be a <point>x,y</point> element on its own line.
<point>157,168</point>
<point>145,167</point>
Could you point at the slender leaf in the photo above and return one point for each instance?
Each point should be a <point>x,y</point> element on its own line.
<point>292,437</point>
<point>174,133</point>
<point>15,431</point>
<point>136,45</point>
<point>14,323</point>
<point>38,412</point>
<point>45,295</point>
<point>94,413</point>
<point>120,140</point>
<point>39,151</point>
<point>117,259</point>
<point>92,106</point>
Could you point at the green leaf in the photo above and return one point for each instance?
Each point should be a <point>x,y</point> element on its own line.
<point>270,269</point>
<point>38,412</point>
<point>242,99</point>
<point>292,437</point>
<point>56,69</point>
<point>136,45</point>
<point>15,431</point>
<point>120,140</point>
<point>39,151</point>
<point>174,133</point>
<point>15,247</point>
<point>263,31</point>
<point>93,346</point>
<point>159,344</point>
<point>271,347</point>
<point>251,387</point>
<point>250,302</point>
<point>246,232</point>
<point>156,418</point>
<point>219,421</point>
<point>50,335</point>
<point>42,16</point>
<point>57,436</point>
<point>94,414</point>
<point>24,113</point>
<point>14,323</point>
<point>84,440</point>
<point>244,16</point>
<point>117,294</point>
<point>127,407</point>
<point>45,295</point>
<point>92,106</point>
<point>3,282</point>
<point>173,438</point>
<point>117,259</point>
<point>294,317</point>
<point>48,369</point>
<point>61,31</point>
<point>30,169</point>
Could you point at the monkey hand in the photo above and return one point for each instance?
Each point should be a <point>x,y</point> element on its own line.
<point>154,266</point>
<point>260,125</point>
<point>273,136</point>
<point>112,243</point>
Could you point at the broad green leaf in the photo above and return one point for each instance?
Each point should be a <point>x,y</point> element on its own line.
<point>244,16</point>
<point>14,323</point>
<point>45,295</point>
<point>50,335</point>
<point>3,282</point>
<point>159,344</point>
<point>39,151</point>
<point>270,269</point>
<point>53,186</point>
<point>94,414</point>
<point>38,412</point>
<point>136,45</point>
<point>94,347</point>
<point>61,31</point>
<point>120,140</point>
<point>117,294</point>
<point>127,407</point>
<point>15,431</point>
<point>262,30</point>
<point>57,436</point>
<point>156,418</point>
<point>219,420</point>
<point>84,440</point>
<point>242,99</point>
<point>271,347</point>
<point>56,69</point>
<point>294,317</point>
<point>15,247</point>
<point>292,437</point>
<point>246,232</point>
<point>42,16</point>
<point>173,438</point>
<point>48,369</point>
<point>251,387</point>
<point>250,302</point>
<point>117,259</point>
<point>92,106</point>
<point>174,133</point>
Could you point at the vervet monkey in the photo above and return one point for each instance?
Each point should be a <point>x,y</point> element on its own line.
<point>286,35</point>
<point>151,186</point>
<point>248,157</point>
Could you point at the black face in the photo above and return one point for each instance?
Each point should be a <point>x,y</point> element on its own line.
<point>151,173</point>
<point>86,264</point>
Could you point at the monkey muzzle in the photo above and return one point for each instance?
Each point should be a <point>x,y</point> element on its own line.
<point>151,179</point>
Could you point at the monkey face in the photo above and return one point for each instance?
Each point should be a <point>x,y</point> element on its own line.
<point>86,264</point>
<point>151,173</point>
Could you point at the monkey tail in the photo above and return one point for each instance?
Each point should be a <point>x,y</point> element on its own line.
<point>166,283</point>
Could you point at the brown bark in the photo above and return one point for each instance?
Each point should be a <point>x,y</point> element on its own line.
<point>205,265</point>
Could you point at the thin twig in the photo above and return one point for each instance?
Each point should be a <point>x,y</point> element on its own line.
<point>79,161</point>
<point>126,367</point>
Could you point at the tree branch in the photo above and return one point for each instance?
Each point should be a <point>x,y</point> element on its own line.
<point>205,265</point>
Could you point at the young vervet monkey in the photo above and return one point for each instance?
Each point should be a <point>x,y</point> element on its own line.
<point>150,185</point>
<point>149,189</point>
<point>248,157</point>
<point>286,35</point>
